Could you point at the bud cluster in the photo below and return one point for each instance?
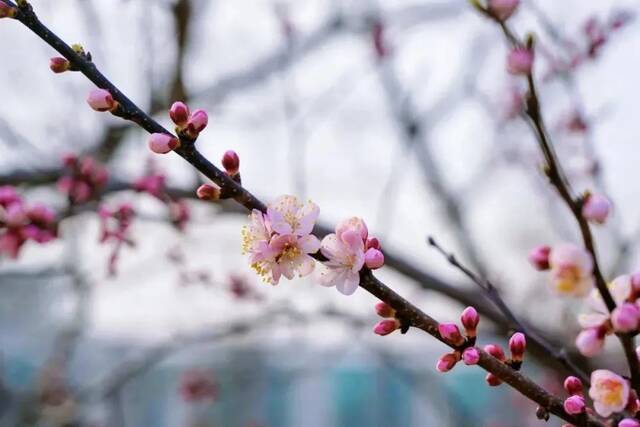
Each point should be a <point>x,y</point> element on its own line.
<point>83,178</point>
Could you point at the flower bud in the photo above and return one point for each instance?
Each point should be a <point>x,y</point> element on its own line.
<point>7,11</point>
<point>385,327</point>
<point>539,257</point>
<point>14,215</point>
<point>629,422</point>
<point>492,380</point>
<point>231,162</point>
<point>197,122</point>
<point>502,9</point>
<point>384,310</point>
<point>179,113</point>
<point>162,143</point>
<point>447,361</point>
<point>208,192</point>
<point>450,333</point>
<point>574,405</point>
<point>374,259</point>
<point>101,100</point>
<point>59,64</point>
<point>625,317</point>
<point>470,320</point>
<point>596,208</point>
<point>520,61</point>
<point>471,356</point>
<point>573,385</point>
<point>517,346</point>
<point>496,351</point>
<point>372,242</point>
<point>590,342</point>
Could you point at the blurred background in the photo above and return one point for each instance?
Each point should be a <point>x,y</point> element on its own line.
<point>400,112</point>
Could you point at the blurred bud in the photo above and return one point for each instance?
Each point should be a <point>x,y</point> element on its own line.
<point>374,259</point>
<point>496,351</point>
<point>7,11</point>
<point>208,192</point>
<point>372,242</point>
<point>387,326</point>
<point>492,380</point>
<point>520,61</point>
<point>470,320</point>
<point>539,257</point>
<point>596,208</point>
<point>231,162</point>
<point>59,64</point>
<point>573,385</point>
<point>574,405</point>
<point>450,333</point>
<point>625,317</point>
<point>162,143</point>
<point>179,113</point>
<point>384,310</point>
<point>517,346</point>
<point>502,9</point>
<point>629,422</point>
<point>14,215</point>
<point>446,362</point>
<point>590,342</point>
<point>101,100</point>
<point>471,356</point>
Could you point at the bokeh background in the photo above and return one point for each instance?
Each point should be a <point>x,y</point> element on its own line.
<point>400,112</point>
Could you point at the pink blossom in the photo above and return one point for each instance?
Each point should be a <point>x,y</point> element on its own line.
<point>447,361</point>
<point>520,61</point>
<point>345,260</point>
<point>502,9</point>
<point>517,346</point>
<point>596,208</point>
<point>101,100</point>
<point>288,216</point>
<point>354,224</point>
<point>373,258</point>
<point>625,317</point>
<point>574,405</point>
<point>59,64</point>
<point>590,342</point>
<point>385,327</point>
<point>571,269</point>
<point>573,385</point>
<point>450,333</point>
<point>609,391</point>
<point>470,356</point>
<point>162,143</point>
<point>179,113</point>
<point>539,257</point>
<point>470,320</point>
<point>231,162</point>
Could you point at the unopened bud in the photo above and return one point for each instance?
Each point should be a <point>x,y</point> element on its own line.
<point>208,192</point>
<point>471,356</point>
<point>447,361</point>
<point>387,326</point>
<point>162,143</point>
<point>59,64</point>
<point>231,162</point>
<point>374,259</point>
<point>450,333</point>
<point>517,346</point>
<point>384,310</point>
<point>101,100</point>
<point>470,320</point>
<point>573,385</point>
<point>574,405</point>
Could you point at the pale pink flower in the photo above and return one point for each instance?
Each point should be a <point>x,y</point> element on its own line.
<point>520,61</point>
<point>590,341</point>
<point>596,208</point>
<point>609,391</point>
<point>345,260</point>
<point>353,224</point>
<point>571,269</point>
<point>293,253</point>
<point>101,100</point>
<point>288,216</point>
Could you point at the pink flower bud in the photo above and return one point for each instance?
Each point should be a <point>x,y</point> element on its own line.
<point>492,380</point>
<point>470,320</point>
<point>573,385</point>
<point>372,242</point>
<point>447,362</point>
<point>41,214</point>
<point>231,162</point>
<point>197,122</point>
<point>10,244</point>
<point>502,9</point>
<point>574,405</point>
<point>520,61</point>
<point>517,346</point>
<point>629,422</point>
<point>162,143</point>
<point>385,327</point>
<point>7,11</point>
<point>590,342</point>
<point>101,100</point>
<point>8,195</point>
<point>14,215</point>
<point>59,64</point>
<point>450,333</point>
<point>384,310</point>
<point>208,192</point>
<point>471,356</point>
<point>539,257</point>
<point>179,113</point>
<point>496,351</point>
<point>373,258</point>
<point>596,208</point>
<point>625,317</point>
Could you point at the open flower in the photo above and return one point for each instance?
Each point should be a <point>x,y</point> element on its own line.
<point>279,242</point>
<point>609,391</point>
<point>571,269</point>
